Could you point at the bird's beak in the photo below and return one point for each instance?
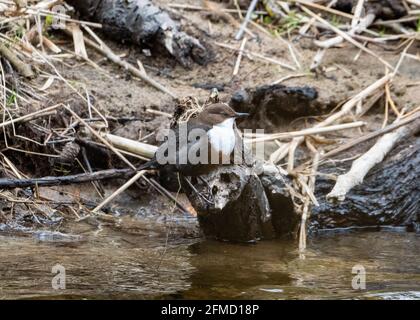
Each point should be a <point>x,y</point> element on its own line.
<point>241,115</point>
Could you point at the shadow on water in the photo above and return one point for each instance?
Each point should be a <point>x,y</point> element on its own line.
<point>120,264</point>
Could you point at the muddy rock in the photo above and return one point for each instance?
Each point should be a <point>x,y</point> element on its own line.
<point>384,9</point>
<point>270,104</point>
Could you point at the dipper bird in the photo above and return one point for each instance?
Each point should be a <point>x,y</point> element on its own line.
<point>199,145</point>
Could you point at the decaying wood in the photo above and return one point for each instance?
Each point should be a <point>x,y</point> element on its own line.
<point>6,183</point>
<point>143,23</point>
<point>241,210</point>
<point>269,104</point>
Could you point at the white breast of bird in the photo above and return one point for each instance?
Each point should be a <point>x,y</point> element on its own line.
<point>222,137</point>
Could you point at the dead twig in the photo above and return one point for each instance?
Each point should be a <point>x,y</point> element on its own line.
<point>23,68</point>
<point>238,60</point>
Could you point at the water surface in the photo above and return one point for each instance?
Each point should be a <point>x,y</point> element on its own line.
<point>140,263</point>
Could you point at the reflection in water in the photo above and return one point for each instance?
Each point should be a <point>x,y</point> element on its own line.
<point>117,263</point>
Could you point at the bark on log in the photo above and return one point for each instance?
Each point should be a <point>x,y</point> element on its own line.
<point>143,23</point>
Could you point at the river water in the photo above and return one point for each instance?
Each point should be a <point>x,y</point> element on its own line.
<point>138,263</point>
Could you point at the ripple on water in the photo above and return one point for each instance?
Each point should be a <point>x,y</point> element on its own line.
<point>119,263</point>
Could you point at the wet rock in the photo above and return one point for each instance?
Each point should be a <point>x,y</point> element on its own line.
<point>384,9</point>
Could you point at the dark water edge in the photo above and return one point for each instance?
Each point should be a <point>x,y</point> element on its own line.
<point>135,264</point>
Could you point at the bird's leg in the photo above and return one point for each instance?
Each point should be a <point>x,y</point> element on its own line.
<point>199,194</point>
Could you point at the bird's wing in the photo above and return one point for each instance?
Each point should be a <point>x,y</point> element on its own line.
<point>196,140</point>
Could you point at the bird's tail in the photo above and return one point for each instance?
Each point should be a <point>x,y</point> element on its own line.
<point>149,165</point>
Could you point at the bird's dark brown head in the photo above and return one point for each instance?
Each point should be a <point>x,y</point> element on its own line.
<point>217,113</point>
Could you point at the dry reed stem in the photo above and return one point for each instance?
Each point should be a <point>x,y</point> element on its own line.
<point>306,132</point>
<point>305,212</point>
<point>248,15</point>
<point>346,36</point>
<point>257,55</point>
<point>239,58</point>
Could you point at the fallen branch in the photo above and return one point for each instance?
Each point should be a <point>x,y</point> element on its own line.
<point>23,68</point>
<point>367,161</point>
<point>6,183</point>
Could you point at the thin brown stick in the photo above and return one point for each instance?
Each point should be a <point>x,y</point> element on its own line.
<point>7,183</point>
<point>30,116</point>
